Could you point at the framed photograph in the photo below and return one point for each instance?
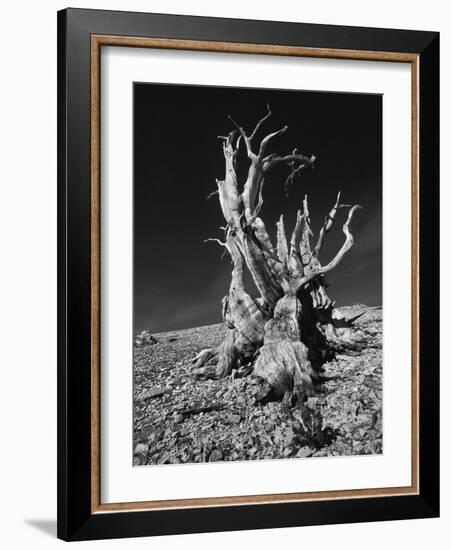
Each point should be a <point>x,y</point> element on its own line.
<point>248,274</point>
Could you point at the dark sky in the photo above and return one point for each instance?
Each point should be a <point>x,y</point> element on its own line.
<point>178,280</point>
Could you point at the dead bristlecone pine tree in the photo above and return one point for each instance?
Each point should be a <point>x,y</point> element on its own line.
<point>288,332</point>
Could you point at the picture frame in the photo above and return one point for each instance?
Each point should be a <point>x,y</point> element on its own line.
<point>81,36</point>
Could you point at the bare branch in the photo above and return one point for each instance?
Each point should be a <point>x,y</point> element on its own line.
<point>212,194</point>
<point>252,189</point>
<point>328,222</point>
<point>229,150</point>
<point>259,203</point>
<point>248,139</point>
<point>307,213</point>
<point>237,146</point>
<point>296,235</point>
<point>268,138</point>
<point>282,247</point>
<point>229,197</point>
<point>272,160</point>
<point>245,137</point>
<point>349,241</point>
<point>212,240</point>
<point>306,232</point>
<point>218,241</point>
<point>251,196</point>
<point>260,122</point>
<point>291,176</point>
<point>295,259</point>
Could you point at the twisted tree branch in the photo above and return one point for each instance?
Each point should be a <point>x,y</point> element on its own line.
<point>260,122</point>
<point>349,241</point>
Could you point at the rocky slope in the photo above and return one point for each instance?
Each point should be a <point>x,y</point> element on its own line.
<point>178,419</point>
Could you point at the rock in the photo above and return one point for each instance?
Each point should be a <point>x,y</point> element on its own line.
<point>146,429</point>
<point>243,432</point>
<point>145,338</point>
<point>321,452</point>
<point>378,425</point>
<point>141,449</point>
<point>376,420</point>
<point>304,452</point>
<point>289,436</point>
<point>154,436</point>
<point>150,394</point>
<point>312,402</point>
<point>215,455</point>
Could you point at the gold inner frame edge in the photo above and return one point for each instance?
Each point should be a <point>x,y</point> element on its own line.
<point>97,41</point>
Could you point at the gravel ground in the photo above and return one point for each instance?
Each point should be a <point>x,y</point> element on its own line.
<point>178,419</point>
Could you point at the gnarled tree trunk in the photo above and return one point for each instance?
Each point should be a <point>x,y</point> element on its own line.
<point>291,329</point>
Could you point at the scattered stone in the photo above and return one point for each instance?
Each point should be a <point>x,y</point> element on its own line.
<point>312,402</point>
<point>154,436</point>
<point>320,453</point>
<point>145,338</point>
<point>190,419</point>
<point>289,436</point>
<point>150,394</point>
<point>215,455</point>
<point>304,452</point>
<point>141,449</point>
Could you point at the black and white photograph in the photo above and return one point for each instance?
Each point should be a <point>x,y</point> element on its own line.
<point>257,274</point>
<point>224,279</point>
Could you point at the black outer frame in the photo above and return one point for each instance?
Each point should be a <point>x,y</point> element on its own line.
<point>75,520</point>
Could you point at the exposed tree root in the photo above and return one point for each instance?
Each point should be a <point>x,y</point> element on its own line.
<point>286,369</point>
<point>283,359</point>
<point>218,363</point>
